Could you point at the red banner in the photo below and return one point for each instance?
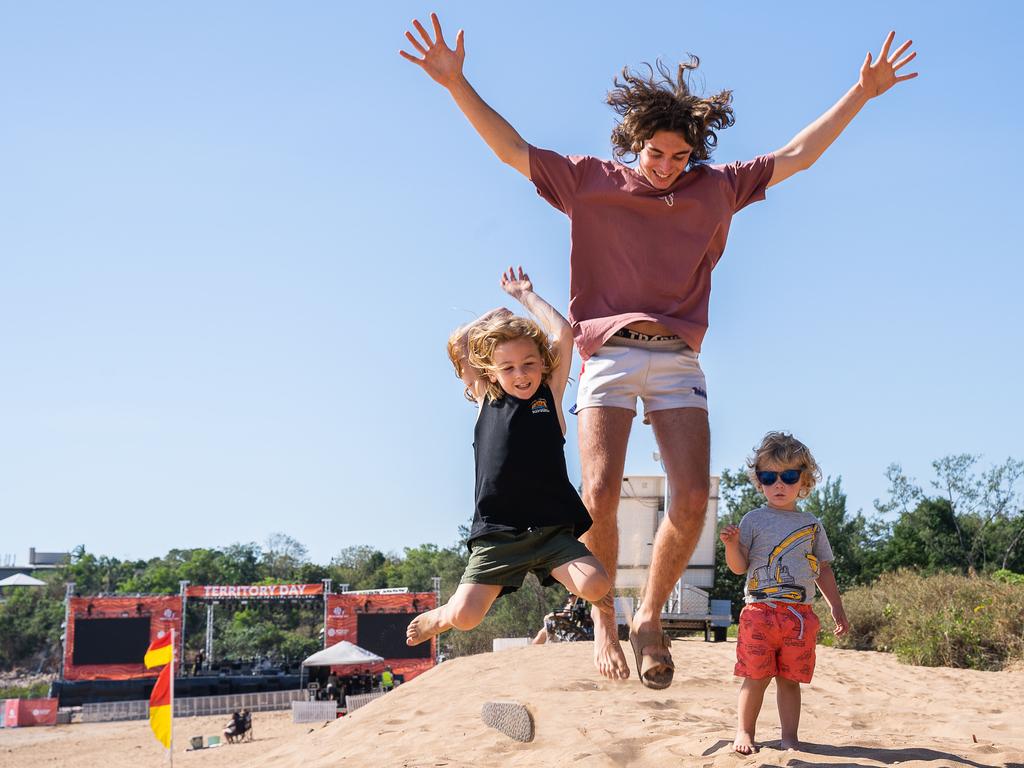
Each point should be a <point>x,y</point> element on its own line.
<point>21,712</point>
<point>254,591</point>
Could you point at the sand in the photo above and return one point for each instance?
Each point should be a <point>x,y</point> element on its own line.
<point>863,709</point>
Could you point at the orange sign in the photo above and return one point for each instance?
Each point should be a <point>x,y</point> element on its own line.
<point>255,591</point>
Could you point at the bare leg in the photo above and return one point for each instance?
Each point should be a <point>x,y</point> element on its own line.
<point>751,697</point>
<point>584,578</point>
<point>787,696</point>
<point>685,443</point>
<point>603,435</point>
<point>464,610</point>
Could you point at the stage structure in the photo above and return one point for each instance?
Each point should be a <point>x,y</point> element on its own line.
<point>106,637</point>
<point>212,595</point>
<point>376,620</point>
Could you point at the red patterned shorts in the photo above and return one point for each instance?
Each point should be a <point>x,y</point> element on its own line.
<point>774,641</point>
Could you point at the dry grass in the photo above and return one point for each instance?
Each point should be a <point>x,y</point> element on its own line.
<point>974,622</point>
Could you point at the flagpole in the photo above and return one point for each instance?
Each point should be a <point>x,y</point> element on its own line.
<point>170,752</point>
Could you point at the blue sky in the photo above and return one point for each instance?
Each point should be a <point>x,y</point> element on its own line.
<point>235,236</point>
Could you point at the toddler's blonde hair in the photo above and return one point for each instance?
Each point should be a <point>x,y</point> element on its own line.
<point>485,338</point>
<point>783,450</point>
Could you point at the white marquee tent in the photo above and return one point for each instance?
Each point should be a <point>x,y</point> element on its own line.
<point>340,654</point>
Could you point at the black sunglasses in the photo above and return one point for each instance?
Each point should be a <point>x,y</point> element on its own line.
<point>788,476</point>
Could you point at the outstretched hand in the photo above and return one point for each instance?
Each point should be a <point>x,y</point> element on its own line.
<point>729,533</point>
<point>879,75</point>
<point>516,286</point>
<point>439,61</point>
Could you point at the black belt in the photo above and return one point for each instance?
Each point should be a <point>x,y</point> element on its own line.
<point>629,333</point>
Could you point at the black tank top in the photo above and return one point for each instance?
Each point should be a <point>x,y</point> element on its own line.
<point>521,480</point>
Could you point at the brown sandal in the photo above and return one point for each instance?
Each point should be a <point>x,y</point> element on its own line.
<point>655,670</point>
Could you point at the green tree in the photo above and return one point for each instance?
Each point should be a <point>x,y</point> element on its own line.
<point>1009,535</point>
<point>847,534</point>
<point>420,564</point>
<point>360,567</point>
<point>30,620</point>
<point>240,564</point>
<point>93,575</point>
<point>973,523</point>
<point>923,538</point>
<point>283,557</point>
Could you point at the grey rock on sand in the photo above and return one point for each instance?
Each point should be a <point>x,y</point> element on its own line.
<point>510,718</point>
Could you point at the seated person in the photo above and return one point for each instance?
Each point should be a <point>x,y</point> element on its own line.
<point>246,731</point>
<point>234,729</point>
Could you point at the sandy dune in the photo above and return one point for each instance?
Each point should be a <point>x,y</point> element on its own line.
<point>863,709</point>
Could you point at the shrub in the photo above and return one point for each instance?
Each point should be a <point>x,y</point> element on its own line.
<point>1008,577</point>
<point>33,691</point>
<point>940,620</point>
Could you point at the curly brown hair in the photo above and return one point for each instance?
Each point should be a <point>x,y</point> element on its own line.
<point>657,101</point>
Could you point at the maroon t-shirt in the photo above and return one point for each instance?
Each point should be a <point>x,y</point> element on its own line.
<point>640,253</point>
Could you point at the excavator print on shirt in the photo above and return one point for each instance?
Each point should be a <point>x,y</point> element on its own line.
<point>773,581</point>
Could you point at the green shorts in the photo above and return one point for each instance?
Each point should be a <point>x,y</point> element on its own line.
<point>504,558</point>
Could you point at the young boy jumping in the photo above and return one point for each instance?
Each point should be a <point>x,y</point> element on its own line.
<point>784,552</point>
<point>528,515</point>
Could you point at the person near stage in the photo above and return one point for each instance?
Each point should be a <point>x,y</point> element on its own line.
<point>528,516</point>
<point>387,680</point>
<point>644,242</point>
<point>784,553</point>
<point>331,689</point>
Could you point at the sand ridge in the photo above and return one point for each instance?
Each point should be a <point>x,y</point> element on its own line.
<point>862,709</point>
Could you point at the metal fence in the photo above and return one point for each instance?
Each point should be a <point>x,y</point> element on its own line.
<point>194,706</point>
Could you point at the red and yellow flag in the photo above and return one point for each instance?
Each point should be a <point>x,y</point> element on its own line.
<point>160,652</point>
<point>160,707</point>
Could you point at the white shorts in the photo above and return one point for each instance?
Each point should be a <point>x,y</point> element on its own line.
<point>664,374</point>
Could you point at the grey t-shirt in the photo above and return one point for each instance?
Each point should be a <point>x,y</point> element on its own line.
<point>783,551</point>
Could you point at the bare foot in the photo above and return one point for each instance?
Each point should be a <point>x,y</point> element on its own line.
<point>744,743</point>
<point>425,626</point>
<point>789,744</point>
<point>608,656</point>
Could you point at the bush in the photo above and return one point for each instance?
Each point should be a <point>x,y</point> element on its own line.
<point>34,691</point>
<point>974,622</point>
<point>1008,577</point>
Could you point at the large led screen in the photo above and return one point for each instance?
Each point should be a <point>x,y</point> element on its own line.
<point>384,634</point>
<point>110,641</point>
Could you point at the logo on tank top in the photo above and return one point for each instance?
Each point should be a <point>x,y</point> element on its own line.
<point>670,199</point>
<point>540,405</point>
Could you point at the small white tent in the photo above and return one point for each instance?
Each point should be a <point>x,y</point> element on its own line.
<point>21,580</point>
<point>340,654</point>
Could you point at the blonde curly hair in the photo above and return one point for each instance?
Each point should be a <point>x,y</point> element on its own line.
<point>485,338</point>
<point>781,449</point>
